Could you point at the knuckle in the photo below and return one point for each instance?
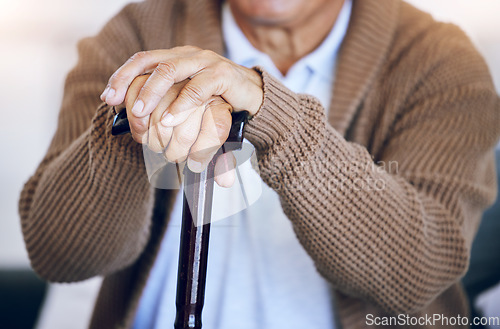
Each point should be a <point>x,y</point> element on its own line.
<point>193,94</point>
<point>166,70</point>
<point>206,53</point>
<point>222,74</point>
<point>217,102</point>
<point>191,48</point>
<point>139,126</point>
<point>139,56</point>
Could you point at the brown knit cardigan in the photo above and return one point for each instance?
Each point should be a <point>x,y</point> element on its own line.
<point>389,239</point>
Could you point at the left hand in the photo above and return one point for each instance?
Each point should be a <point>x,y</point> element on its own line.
<point>196,140</point>
<point>209,75</point>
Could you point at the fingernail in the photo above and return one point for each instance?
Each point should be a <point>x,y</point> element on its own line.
<point>138,107</point>
<point>195,166</point>
<point>110,94</point>
<point>167,119</point>
<point>104,93</point>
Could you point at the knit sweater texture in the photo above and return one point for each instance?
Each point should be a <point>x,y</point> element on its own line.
<point>391,239</point>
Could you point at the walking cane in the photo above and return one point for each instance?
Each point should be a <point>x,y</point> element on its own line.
<point>195,229</point>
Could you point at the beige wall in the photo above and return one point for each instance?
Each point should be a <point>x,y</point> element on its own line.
<point>38,47</point>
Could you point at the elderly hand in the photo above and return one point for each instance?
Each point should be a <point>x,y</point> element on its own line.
<point>204,74</point>
<point>196,139</point>
<point>209,75</point>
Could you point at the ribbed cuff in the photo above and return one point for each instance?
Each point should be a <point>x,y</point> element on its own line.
<point>114,149</point>
<point>277,115</point>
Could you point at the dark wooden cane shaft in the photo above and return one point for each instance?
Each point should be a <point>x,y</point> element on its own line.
<point>193,254</point>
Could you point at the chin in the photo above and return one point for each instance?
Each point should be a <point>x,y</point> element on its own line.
<point>271,11</point>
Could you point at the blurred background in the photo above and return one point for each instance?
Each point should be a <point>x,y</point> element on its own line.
<point>38,47</point>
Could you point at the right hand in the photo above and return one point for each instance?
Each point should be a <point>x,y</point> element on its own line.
<point>196,140</point>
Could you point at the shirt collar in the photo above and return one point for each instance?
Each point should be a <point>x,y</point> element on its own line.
<point>238,48</point>
<point>321,61</point>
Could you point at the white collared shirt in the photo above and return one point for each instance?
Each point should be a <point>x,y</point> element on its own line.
<point>259,276</point>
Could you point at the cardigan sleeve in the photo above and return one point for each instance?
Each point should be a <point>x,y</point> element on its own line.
<point>395,237</point>
<point>74,221</point>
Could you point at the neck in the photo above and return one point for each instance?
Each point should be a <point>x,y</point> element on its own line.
<point>287,43</point>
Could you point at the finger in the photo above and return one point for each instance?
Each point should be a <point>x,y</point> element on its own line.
<point>140,63</point>
<point>196,92</point>
<point>184,136</point>
<point>214,131</point>
<point>138,126</point>
<point>162,79</point>
<point>158,137</point>
<point>166,101</point>
<point>224,170</point>
<point>154,143</point>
